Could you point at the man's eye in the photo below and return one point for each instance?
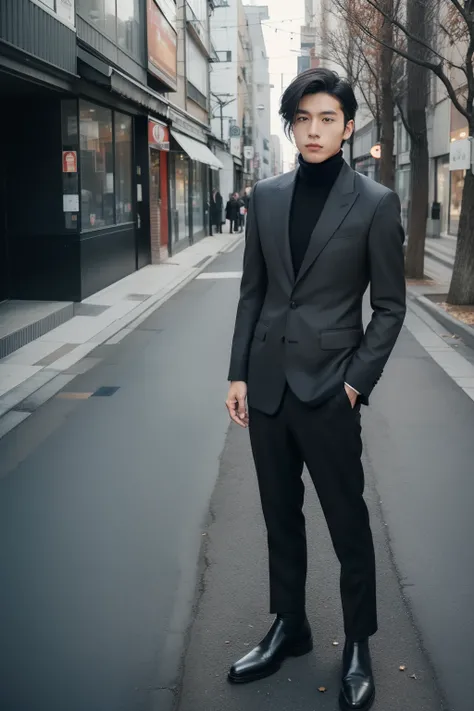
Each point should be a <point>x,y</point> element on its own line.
<point>329,120</point>
<point>301,118</point>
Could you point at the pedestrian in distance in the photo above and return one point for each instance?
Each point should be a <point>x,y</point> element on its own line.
<point>242,211</point>
<point>302,365</point>
<point>216,210</point>
<point>232,213</point>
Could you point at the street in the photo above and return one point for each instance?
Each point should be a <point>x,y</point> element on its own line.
<point>132,545</point>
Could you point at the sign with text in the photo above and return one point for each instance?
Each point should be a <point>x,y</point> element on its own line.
<point>69,161</point>
<point>460,154</point>
<point>158,136</point>
<point>162,46</point>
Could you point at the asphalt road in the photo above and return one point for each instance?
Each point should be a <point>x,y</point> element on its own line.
<point>123,591</point>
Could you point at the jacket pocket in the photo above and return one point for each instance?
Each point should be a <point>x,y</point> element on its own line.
<point>260,332</point>
<point>339,338</point>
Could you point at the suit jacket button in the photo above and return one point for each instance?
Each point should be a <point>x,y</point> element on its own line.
<point>293,305</point>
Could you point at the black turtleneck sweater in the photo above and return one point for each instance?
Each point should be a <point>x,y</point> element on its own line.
<point>313,184</point>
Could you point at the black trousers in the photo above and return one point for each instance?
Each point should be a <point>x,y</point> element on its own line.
<point>328,440</point>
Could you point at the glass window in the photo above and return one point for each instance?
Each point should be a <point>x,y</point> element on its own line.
<point>403,190</point>
<point>457,185</point>
<point>442,190</point>
<point>198,198</point>
<point>123,168</point>
<point>197,66</point>
<point>97,166</point>
<point>179,195</point>
<point>94,12</point>
<point>49,3</point>
<point>128,25</point>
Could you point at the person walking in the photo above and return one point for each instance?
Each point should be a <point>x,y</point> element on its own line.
<point>242,211</point>
<point>232,213</point>
<point>302,365</point>
<point>216,210</point>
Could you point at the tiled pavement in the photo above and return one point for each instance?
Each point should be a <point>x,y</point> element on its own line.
<point>37,371</point>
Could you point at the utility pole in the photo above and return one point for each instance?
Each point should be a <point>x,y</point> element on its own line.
<point>222,104</point>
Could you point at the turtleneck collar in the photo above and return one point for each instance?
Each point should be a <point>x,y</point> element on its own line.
<point>324,173</point>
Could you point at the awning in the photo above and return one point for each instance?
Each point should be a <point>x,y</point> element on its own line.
<point>237,161</point>
<point>197,151</point>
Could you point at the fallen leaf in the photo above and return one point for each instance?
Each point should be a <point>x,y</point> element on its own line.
<point>335,644</point>
<point>289,679</point>
<point>322,689</point>
<point>413,676</point>
<point>227,642</point>
<point>402,667</point>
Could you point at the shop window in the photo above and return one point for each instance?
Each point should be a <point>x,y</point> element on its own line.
<point>106,167</point>
<point>198,197</point>
<point>457,186</point>
<point>123,168</point>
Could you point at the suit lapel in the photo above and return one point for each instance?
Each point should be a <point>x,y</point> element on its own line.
<point>338,204</point>
<point>282,220</point>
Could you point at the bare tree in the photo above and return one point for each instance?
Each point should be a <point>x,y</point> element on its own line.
<point>453,20</point>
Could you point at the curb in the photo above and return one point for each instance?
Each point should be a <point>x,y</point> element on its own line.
<point>126,323</point>
<point>440,259</point>
<point>445,319</point>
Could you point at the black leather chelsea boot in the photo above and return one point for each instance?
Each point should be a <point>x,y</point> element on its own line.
<point>289,636</point>
<point>358,688</point>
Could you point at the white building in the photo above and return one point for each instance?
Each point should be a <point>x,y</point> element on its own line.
<point>231,90</point>
<point>261,92</point>
<point>275,152</point>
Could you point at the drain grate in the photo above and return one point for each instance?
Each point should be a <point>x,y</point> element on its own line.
<point>105,391</point>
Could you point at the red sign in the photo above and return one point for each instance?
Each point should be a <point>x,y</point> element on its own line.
<point>158,135</point>
<point>162,46</point>
<point>69,161</point>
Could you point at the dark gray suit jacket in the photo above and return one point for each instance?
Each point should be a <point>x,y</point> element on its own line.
<point>306,329</point>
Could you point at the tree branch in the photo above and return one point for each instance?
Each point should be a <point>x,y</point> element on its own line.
<point>435,68</point>
<point>411,36</point>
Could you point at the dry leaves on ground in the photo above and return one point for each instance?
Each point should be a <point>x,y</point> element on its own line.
<point>461,313</point>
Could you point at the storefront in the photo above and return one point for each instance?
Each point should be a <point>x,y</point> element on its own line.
<point>158,142</point>
<point>190,186</point>
<point>402,187</point>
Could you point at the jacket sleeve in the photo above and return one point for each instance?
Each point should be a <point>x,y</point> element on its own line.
<point>387,297</point>
<point>253,288</point>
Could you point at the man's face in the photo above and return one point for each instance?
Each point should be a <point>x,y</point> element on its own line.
<point>319,127</point>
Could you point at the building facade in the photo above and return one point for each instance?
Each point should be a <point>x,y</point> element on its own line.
<point>276,167</point>
<point>260,166</point>
<point>119,94</point>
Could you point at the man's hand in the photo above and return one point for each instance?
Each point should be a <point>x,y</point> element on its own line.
<point>235,403</point>
<point>351,394</point>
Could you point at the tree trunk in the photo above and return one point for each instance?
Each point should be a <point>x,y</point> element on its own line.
<point>387,172</point>
<point>461,291</point>
<point>417,99</point>
<point>418,209</point>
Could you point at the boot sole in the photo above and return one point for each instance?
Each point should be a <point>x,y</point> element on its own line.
<point>297,651</point>
<point>344,706</point>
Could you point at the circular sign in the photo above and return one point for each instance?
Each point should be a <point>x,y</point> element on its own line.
<point>159,133</point>
<point>376,151</point>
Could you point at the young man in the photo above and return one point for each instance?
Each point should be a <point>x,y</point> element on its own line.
<point>316,238</point>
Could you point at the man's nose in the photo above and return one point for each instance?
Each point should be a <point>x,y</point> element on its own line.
<point>314,129</point>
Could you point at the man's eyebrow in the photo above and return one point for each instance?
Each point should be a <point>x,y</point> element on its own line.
<point>329,112</point>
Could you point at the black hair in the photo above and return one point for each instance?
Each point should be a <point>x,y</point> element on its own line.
<point>314,81</point>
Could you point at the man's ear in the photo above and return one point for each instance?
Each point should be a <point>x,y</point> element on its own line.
<point>349,129</point>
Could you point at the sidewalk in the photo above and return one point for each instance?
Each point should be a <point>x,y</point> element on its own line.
<point>431,293</point>
<point>36,372</point>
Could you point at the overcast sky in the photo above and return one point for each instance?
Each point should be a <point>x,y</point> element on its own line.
<point>286,17</point>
